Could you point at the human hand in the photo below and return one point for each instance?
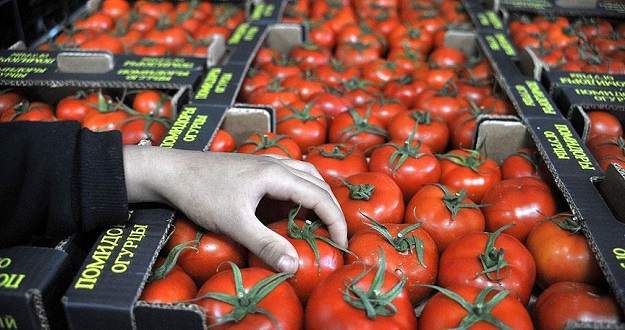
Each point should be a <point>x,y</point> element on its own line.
<point>220,192</point>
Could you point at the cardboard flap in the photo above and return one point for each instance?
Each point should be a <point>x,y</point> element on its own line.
<point>85,62</point>
<point>492,131</point>
<point>612,188</point>
<point>284,36</point>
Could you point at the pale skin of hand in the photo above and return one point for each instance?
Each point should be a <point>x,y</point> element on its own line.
<point>220,192</point>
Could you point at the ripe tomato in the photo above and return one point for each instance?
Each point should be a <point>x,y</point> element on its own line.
<point>409,250</point>
<point>370,194</point>
<point>444,214</point>
<point>28,111</point>
<point>143,127</point>
<point>254,79</point>
<point>525,162</point>
<point>445,102</point>
<point>431,130</point>
<point>562,253</point>
<point>302,122</point>
<point>405,89</point>
<point>357,127</point>
<point>104,42</point>
<point>310,56</point>
<point>152,102</point>
<point>385,109</point>
<point>568,301</point>
<point>201,252</point>
<point>318,255</point>
<point>281,67</point>
<point>331,104</point>
<point>469,170</point>
<point>233,297</point>
<point>357,53</point>
<point>336,73</point>
<point>360,296</point>
<point>469,307</point>
<point>489,259</point>
<point>97,21</point>
<point>9,98</point>
<point>336,161</point>
<point>446,57</point>
<point>223,142</point>
<point>115,9</point>
<point>359,92</point>
<point>381,71</point>
<point>523,201</point>
<point>305,85</point>
<point>603,123</point>
<point>607,150</point>
<point>105,121</point>
<point>273,94</point>
<point>409,163</point>
<point>271,143</point>
<point>174,286</point>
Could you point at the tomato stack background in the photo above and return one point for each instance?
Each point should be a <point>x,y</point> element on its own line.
<point>384,98</point>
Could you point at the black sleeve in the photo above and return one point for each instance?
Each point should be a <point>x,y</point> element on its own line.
<point>56,179</point>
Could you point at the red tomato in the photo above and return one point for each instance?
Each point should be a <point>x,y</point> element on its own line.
<point>254,79</point>
<point>445,103</point>
<point>249,290</point>
<point>115,9</point>
<point>370,194</point>
<point>446,57</point>
<point>306,124</point>
<point>28,111</point>
<point>318,256</point>
<point>336,73</point>
<point>331,104</point>
<point>310,56</point>
<point>359,296</point>
<point>562,253</point>
<point>223,142</point>
<point>405,89</point>
<point>568,301</point>
<point>409,163</point>
<point>469,170</point>
<point>271,143</point>
<point>281,67</point>
<point>105,121</point>
<point>305,85</point>
<point>172,287</point>
<point>603,123</point>
<point>152,102</point>
<point>138,128</point>
<point>469,307</point>
<point>431,130</point>
<point>525,162</point>
<point>488,259</point>
<point>523,201</point>
<point>409,250</point>
<point>381,71</point>
<point>8,99</point>
<point>357,127</point>
<point>97,21</point>
<point>201,252</point>
<point>444,213</point>
<point>385,109</point>
<point>273,94</point>
<point>104,42</point>
<point>336,161</point>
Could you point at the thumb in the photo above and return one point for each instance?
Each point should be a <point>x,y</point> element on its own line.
<point>272,248</point>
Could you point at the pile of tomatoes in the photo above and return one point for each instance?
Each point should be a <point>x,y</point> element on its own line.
<point>605,138</point>
<point>573,44</point>
<point>440,235</point>
<point>150,28</point>
<point>140,115</point>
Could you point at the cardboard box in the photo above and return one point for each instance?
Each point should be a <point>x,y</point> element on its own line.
<point>32,281</point>
<point>593,197</point>
<point>482,17</point>
<point>587,8</point>
<point>105,293</point>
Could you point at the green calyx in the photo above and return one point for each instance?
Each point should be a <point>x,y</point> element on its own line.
<point>373,301</point>
<point>402,242</point>
<point>299,114</point>
<point>567,222</point>
<point>480,309</point>
<point>473,160</point>
<point>306,233</point>
<point>492,259</point>
<point>361,125</point>
<point>266,143</point>
<point>359,191</point>
<point>246,302</point>
<point>454,203</point>
<point>339,151</point>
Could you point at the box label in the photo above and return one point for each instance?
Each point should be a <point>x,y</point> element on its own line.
<point>220,85</point>
<point>245,41</point>
<point>531,99</point>
<point>563,79</point>
<point>194,127</point>
<point>171,63</point>
<point>27,58</point>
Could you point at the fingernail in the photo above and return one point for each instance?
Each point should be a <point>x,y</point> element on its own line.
<point>287,264</point>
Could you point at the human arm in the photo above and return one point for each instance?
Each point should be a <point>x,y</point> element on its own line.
<point>220,192</point>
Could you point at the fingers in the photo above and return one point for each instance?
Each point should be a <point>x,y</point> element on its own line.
<point>269,246</point>
<point>316,198</point>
